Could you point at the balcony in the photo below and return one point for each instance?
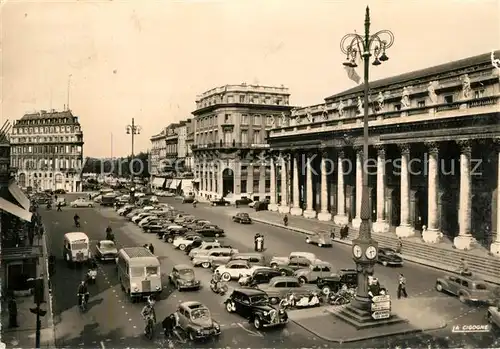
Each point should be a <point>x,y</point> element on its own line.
<point>232,145</point>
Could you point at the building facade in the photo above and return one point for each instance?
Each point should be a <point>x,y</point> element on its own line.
<point>157,157</point>
<point>189,163</point>
<point>182,145</point>
<point>433,162</point>
<point>47,151</point>
<point>230,129</point>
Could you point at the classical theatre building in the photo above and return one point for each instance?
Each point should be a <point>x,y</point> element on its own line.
<point>433,159</point>
<point>230,130</point>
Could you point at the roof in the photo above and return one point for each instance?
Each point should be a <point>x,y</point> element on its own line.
<point>137,252</point>
<point>48,115</point>
<point>183,267</point>
<point>250,291</point>
<point>76,235</point>
<point>422,73</point>
<point>284,278</point>
<point>192,304</point>
<point>111,241</point>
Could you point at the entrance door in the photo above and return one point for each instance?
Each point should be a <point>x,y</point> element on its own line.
<point>227,181</point>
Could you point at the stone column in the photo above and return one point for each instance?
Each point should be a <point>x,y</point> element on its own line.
<point>283,208</point>
<point>262,182</point>
<point>203,184</point>
<point>237,177</point>
<point>495,246</point>
<point>356,222</point>
<point>309,212</point>
<point>464,239</point>
<point>272,202</point>
<point>405,229</point>
<point>296,209</point>
<point>432,233</point>
<point>250,180</point>
<point>381,225</point>
<point>340,218</point>
<point>324,215</point>
<point>214,178</point>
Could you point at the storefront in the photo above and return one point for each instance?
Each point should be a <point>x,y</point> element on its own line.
<point>175,185</point>
<point>187,187</point>
<point>158,182</point>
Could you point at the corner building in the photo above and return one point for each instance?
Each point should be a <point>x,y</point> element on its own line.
<point>230,151</point>
<point>47,151</point>
<point>434,155</point>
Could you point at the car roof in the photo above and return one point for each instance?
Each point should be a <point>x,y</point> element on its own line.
<point>76,236</point>
<point>249,254</point>
<point>183,267</point>
<point>250,291</point>
<point>322,263</point>
<point>472,277</point>
<point>284,279</point>
<point>192,305</point>
<point>107,241</point>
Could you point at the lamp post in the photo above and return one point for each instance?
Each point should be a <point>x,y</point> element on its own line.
<point>133,130</point>
<point>364,247</point>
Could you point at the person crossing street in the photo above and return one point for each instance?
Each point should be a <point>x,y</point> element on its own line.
<point>402,287</point>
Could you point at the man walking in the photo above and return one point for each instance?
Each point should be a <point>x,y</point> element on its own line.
<point>402,287</point>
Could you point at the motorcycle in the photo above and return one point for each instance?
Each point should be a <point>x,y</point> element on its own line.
<point>340,297</point>
<point>218,287</point>
<point>308,301</point>
<point>77,223</point>
<point>49,206</point>
<point>287,302</point>
<point>83,302</point>
<point>194,204</point>
<point>91,276</point>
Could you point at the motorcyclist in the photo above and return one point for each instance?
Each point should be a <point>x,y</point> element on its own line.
<point>82,292</point>
<point>216,280</point>
<point>148,312</point>
<point>92,264</point>
<point>194,203</point>
<point>109,234</point>
<point>76,218</point>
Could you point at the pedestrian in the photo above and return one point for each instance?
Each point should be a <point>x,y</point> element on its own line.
<point>12,307</point>
<point>285,220</point>
<point>52,265</point>
<point>255,238</point>
<point>464,267</point>
<point>151,248</point>
<point>259,244</point>
<point>399,247</point>
<point>344,232</point>
<point>402,286</point>
<point>59,205</point>
<point>90,196</point>
<point>55,197</point>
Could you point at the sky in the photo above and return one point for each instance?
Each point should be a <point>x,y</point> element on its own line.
<point>148,59</point>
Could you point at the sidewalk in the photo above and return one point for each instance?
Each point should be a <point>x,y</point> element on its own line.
<point>24,335</point>
<point>441,256</point>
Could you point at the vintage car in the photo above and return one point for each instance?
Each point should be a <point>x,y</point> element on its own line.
<point>388,257</point>
<point>213,257</point>
<point>244,201</point>
<point>220,202</point>
<point>172,232</point>
<point>140,216</point>
<point>205,245</point>
<point>188,199</point>
<point>259,276</point>
<point>183,278</point>
<point>242,218</point>
<point>124,210</point>
<point>316,269</point>
<point>148,219</point>
<point>182,242</point>
<point>210,231</point>
<point>466,286</point>
<point>234,270</point>
<point>76,248</point>
<point>155,228</point>
<point>320,238</point>
<point>280,286</point>
<point>106,250</point>
<point>154,200</point>
<point>296,260</point>
<point>253,304</point>
<point>61,202</point>
<point>198,243</point>
<point>254,258</point>
<point>335,281</point>
<point>196,321</point>
<point>59,191</point>
<point>493,316</point>
<point>81,202</point>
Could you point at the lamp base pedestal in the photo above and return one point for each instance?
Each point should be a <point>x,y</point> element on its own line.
<point>405,231</point>
<point>341,219</point>
<point>432,236</point>
<point>324,216</point>
<point>309,214</point>
<point>283,209</point>
<point>380,227</point>
<point>356,223</point>
<point>296,211</point>
<point>463,242</point>
<point>495,249</point>
<point>362,318</point>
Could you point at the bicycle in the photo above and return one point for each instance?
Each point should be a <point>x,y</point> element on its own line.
<point>149,331</point>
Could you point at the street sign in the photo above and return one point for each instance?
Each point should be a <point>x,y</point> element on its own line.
<point>381,306</point>
<point>382,298</point>
<point>384,314</point>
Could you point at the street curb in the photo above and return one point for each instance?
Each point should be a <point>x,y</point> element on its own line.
<point>415,260</point>
<point>51,341</point>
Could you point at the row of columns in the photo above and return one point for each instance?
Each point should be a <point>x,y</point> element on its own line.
<point>431,235</point>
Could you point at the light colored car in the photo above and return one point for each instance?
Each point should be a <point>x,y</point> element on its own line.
<point>279,287</point>
<point>98,199</point>
<point>252,204</point>
<point>122,210</point>
<point>154,200</point>
<point>147,219</point>
<point>317,269</point>
<point>61,202</point>
<point>494,316</point>
<point>181,242</point>
<point>174,227</point>
<point>183,278</point>
<point>214,257</point>
<point>81,202</point>
<point>292,259</point>
<point>466,287</point>
<point>106,250</point>
<point>196,321</point>
<point>234,270</point>
<point>139,195</point>
<point>140,217</point>
<point>206,245</point>
<point>320,238</point>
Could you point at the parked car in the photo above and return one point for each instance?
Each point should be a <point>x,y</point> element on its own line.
<point>261,206</point>
<point>153,199</point>
<point>183,277</point>
<point>195,320</point>
<point>172,232</point>
<point>259,276</point>
<point>81,202</point>
<point>59,191</point>
<point>254,258</point>
<point>465,286</point>
<point>253,304</point>
<point>315,270</point>
<point>388,257</point>
<point>197,243</point>
<point>122,211</point>
<point>155,228</point>
<point>320,238</point>
<point>205,245</point>
<point>243,201</point>
<point>219,202</point>
<point>214,257</point>
<point>296,260</point>
<point>235,269</point>
<point>242,217</point>
<point>210,231</point>
<point>106,250</point>
<point>182,242</point>
<point>335,281</point>
<point>280,286</point>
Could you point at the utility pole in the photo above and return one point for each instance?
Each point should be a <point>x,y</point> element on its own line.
<point>39,298</point>
<point>132,130</point>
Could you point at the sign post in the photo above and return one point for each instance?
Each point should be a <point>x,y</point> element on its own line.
<point>381,307</point>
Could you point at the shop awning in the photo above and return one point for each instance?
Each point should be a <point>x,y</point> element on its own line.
<point>18,194</point>
<point>187,185</point>
<point>21,253</point>
<point>158,181</point>
<point>15,210</point>
<point>196,180</point>
<point>175,183</point>
<point>167,183</point>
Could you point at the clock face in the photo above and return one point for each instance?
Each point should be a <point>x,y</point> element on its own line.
<point>371,252</point>
<point>357,251</point>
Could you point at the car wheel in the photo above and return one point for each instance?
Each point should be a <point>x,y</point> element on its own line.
<point>257,324</point>
<point>320,245</point>
<point>178,287</point>
<point>229,307</point>
<point>462,298</point>
<point>308,241</point>
<point>217,235</point>
<point>439,287</point>
<point>384,263</point>
<point>326,290</point>
<point>274,300</point>
<point>182,247</point>
<point>274,265</point>
<point>90,205</point>
<point>226,204</point>
<point>170,240</point>
<point>205,265</point>
<point>148,230</point>
<point>226,277</point>
<point>302,280</point>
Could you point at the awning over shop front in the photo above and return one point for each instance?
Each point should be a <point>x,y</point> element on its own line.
<point>187,186</point>
<point>158,181</point>
<point>21,253</point>
<point>167,183</point>
<point>15,210</point>
<point>18,194</point>
<point>175,183</point>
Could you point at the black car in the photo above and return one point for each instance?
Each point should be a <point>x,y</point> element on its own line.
<point>243,201</point>
<point>219,202</point>
<point>261,206</point>
<point>242,218</point>
<point>334,282</point>
<point>59,191</point>
<point>389,257</point>
<point>169,235</point>
<point>260,276</point>
<point>197,243</point>
<point>210,231</point>
<point>155,229</point>
<point>43,199</point>
<point>253,304</point>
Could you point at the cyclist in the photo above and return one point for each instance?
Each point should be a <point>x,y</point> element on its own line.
<point>148,313</point>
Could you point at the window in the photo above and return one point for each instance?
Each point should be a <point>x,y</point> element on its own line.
<point>243,185</point>
<point>227,118</point>
<point>230,99</point>
<point>244,137</point>
<point>448,99</point>
<point>465,283</point>
<point>152,271</point>
<point>256,137</point>
<point>255,99</point>
<point>268,100</point>
<point>256,119</point>
<point>244,119</point>
<point>280,284</point>
<point>279,101</point>
<point>242,98</point>
<point>478,94</point>
<point>421,104</point>
<point>316,268</point>
<point>30,149</point>
<point>36,129</point>
<point>57,129</point>
<point>292,284</point>
<point>136,271</point>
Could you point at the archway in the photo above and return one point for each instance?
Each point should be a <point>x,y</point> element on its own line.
<point>59,181</point>
<point>227,181</point>
<point>481,217</point>
<point>421,209</point>
<point>449,213</point>
<point>22,180</point>
<point>396,207</point>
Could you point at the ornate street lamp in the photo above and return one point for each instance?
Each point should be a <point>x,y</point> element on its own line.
<point>364,247</point>
<point>132,130</point>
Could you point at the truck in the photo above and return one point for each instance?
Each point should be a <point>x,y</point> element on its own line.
<point>108,200</point>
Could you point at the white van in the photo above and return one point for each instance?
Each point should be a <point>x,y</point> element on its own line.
<point>138,272</point>
<point>76,248</point>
